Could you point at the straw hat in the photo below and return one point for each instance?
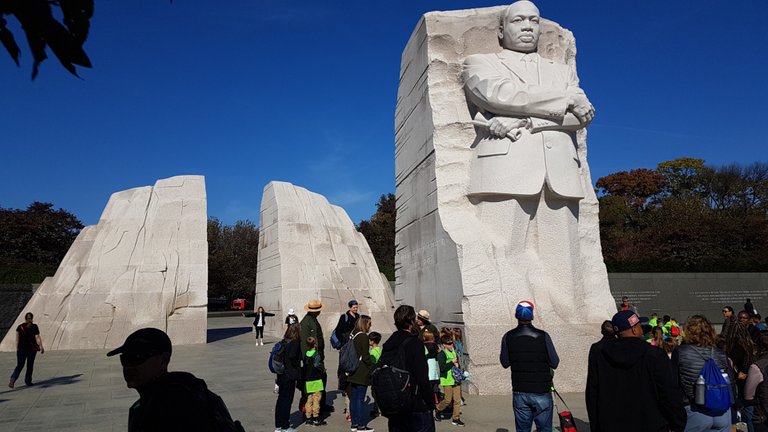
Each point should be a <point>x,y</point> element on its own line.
<point>424,314</point>
<point>314,305</point>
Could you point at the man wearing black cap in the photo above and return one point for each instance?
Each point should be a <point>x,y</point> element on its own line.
<point>167,400</point>
<point>630,385</point>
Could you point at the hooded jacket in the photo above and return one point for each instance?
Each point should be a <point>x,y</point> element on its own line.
<point>174,401</point>
<point>629,379</point>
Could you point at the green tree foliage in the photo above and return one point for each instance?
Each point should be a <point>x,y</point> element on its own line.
<point>379,232</point>
<point>34,241</point>
<point>43,31</point>
<point>685,216</point>
<point>232,259</point>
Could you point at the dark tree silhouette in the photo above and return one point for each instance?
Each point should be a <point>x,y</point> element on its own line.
<point>43,31</point>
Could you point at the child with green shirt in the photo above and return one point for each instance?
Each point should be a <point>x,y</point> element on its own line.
<point>374,338</point>
<point>313,378</point>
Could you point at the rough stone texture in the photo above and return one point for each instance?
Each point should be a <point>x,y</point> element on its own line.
<point>309,249</point>
<point>145,264</point>
<point>445,261</point>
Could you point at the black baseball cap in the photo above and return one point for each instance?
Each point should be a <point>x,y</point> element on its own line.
<point>144,342</point>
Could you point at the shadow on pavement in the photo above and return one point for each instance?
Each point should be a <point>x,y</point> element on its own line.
<point>47,383</point>
<point>58,381</point>
<point>226,333</point>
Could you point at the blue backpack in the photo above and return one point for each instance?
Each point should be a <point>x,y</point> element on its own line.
<point>277,358</point>
<point>717,393</point>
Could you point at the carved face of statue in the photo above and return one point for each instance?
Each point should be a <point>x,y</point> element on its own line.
<point>520,27</point>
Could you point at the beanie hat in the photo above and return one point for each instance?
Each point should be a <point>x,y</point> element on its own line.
<point>524,310</point>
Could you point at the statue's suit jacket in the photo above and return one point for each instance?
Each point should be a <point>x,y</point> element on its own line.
<point>496,84</point>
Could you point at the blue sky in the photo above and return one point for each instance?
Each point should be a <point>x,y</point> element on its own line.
<point>245,92</point>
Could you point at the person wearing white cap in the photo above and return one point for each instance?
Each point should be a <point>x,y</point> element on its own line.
<point>422,321</point>
<point>291,318</point>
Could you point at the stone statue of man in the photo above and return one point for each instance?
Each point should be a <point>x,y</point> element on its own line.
<point>526,180</point>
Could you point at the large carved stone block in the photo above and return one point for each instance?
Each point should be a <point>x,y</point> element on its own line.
<point>145,264</point>
<point>310,249</point>
<point>449,259</point>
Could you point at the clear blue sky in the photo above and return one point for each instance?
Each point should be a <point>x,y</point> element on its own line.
<point>245,92</point>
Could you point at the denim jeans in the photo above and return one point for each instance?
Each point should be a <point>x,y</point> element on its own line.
<point>284,401</point>
<point>532,408</point>
<point>415,422</point>
<point>700,422</point>
<point>358,414</point>
<point>24,355</point>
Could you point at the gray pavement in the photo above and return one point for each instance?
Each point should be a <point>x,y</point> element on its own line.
<point>85,391</point>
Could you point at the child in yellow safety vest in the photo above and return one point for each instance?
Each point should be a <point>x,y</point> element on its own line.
<point>447,360</point>
<point>313,378</point>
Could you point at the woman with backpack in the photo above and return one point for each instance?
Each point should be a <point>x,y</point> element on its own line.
<point>360,379</point>
<point>286,381</point>
<point>688,361</point>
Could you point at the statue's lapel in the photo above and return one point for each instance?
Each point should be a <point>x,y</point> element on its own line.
<point>512,63</point>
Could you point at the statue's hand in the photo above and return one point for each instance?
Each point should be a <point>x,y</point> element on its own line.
<point>582,109</point>
<point>501,126</point>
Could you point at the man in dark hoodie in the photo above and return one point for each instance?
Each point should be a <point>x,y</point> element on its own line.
<point>630,379</point>
<point>406,338</point>
<point>167,400</point>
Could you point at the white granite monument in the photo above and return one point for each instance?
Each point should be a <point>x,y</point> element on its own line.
<point>145,264</point>
<point>310,249</point>
<point>494,195</point>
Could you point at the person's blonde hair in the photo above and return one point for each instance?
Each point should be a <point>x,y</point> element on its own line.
<point>363,324</point>
<point>428,336</point>
<point>699,331</point>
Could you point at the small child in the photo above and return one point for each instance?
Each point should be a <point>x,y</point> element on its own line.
<point>313,378</point>
<point>433,370</point>
<point>447,359</point>
<point>374,338</point>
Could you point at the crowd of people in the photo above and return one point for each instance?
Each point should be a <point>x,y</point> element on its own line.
<point>683,377</point>
<point>435,357</point>
<point>662,374</point>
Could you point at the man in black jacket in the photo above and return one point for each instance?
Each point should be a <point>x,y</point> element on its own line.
<point>167,400</point>
<point>630,379</point>
<point>420,419</point>
<point>530,355</point>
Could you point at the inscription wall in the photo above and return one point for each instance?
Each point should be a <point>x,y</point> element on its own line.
<point>681,295</point>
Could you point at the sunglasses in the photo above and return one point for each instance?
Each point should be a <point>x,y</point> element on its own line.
<point>135,359</point>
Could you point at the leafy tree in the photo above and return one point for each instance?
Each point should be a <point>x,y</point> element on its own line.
<point>34,241</point>
<point>232,258</point>
<point>43,31</point>
<point>379,232</point>
<point>697,218</point>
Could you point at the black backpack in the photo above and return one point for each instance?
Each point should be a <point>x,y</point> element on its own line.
<point>391,384</point>
<point>349,361</point>
<point>276,362</point>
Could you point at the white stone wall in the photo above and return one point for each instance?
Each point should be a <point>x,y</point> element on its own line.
<point>310,249</point>
<point>445,261</point>
<point>145,264</point>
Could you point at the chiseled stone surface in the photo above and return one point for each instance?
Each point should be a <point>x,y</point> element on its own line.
<point>145,264</point>
<point>447,261</point>
<point>310,249</point>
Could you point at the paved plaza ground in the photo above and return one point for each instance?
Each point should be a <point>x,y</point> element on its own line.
<point>85,391</point>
